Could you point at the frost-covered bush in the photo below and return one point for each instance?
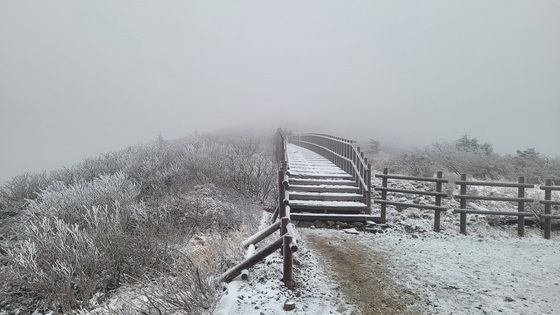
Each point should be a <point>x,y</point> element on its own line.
<point>478,160</point>
<point>69,202</point>
<point>71,249</point>
<point>86,229</point>
<point>16,192</point>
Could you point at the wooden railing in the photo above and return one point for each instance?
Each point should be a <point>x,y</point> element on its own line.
<point>520,200</point>
<point>438,194</point>
<point>343,153</point>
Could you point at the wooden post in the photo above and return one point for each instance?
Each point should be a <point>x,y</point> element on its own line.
<point>384,196</point>
<point>521,208</point>
<point>281,193</point>
<point>437,213</point>
<point>547,209</point>
<point>284,226</point>
<point>288,262</point>
<point>463,205</point>
<point>368,182</point>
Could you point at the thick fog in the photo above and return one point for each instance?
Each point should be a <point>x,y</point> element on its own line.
<point>79,78</point>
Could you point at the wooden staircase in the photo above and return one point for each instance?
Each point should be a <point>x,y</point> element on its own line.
<point>317,186</point>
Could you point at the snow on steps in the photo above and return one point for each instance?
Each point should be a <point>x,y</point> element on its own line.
<point>324,188</point>
<point>325,196</point>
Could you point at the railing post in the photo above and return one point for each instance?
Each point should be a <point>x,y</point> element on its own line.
<point>284,225</point>
<point>463,205</point>
<point>288,262</point>
<point>281,194</point>
<point>521,208</point>
<point>437,213</point>
<point>368,181</point>
<point>384,196</point>
<point>547,209</point>
<point>359,167</point>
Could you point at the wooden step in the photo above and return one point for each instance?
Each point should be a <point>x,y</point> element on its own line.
<point>325,188</point>
<point>320,176</point>
<point>327,206</point>
<point>326,196</point>
<point>315,181</point>
<point>334,217</point>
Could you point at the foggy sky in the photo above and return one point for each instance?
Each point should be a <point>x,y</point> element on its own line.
<point>78,78</point>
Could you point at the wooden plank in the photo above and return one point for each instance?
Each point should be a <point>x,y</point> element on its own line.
<point>405,177</point>
<point>323,182</point>
<point>320,176</point>
<point>409,205</point>
<point>329,209</point>
<point>550,187</point>
<point>410,191</point>
<point>493,198</point>
<point>312,188</point>
<point>550,202</point>
<point>235,271</point>
<point>495,184</point>
<point>341,197</point>
<point>509,213</point>
<point>335,217</point>
<point>550,216</point>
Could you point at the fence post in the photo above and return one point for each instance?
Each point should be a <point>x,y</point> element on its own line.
<point>288,262</point>
<point>547,209</point>
<point>384,196</point>
<point>521,208</point>
<point>437,213</point>
<point>463,205</point>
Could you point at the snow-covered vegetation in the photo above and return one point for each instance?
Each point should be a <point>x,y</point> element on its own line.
<point>466,155</point>
<point>162,216</point>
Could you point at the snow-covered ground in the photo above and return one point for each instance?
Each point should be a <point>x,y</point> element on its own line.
<point>459,274</point>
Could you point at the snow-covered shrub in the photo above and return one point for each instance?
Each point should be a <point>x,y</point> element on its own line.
<point>63,264</point>
<point>16,192</point>
<point>68,202</point>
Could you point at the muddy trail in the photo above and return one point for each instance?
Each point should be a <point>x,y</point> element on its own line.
<point>363,275</point>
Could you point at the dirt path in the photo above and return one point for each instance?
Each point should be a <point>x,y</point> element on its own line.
<point>363,274</point>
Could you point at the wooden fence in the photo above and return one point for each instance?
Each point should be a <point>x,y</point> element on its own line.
<point>438,194</point>
<point>520,200</point>
<point>463,197</point>
<point>343,153</point>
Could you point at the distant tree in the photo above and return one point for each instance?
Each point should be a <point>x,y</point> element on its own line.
<point>467,144</point>
<point>373,146</point>
<point>529,153</point>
